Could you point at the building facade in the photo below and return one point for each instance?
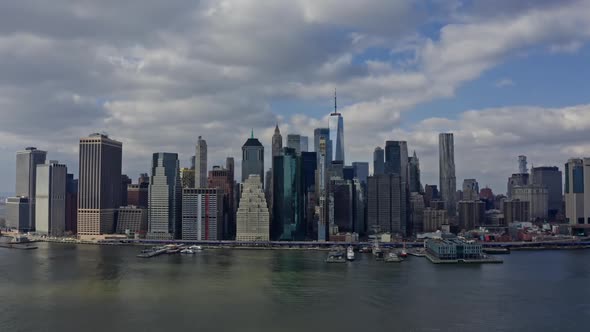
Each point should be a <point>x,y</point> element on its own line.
<point>253,218</point>
<point>26,175</point>
<point>414,173</point>
<point>50,197</point>
<point>202,214</point>
<point>516,210</point>
<point>574,191</point>
<point>336,128</point>
<point>538,198</point>
<point>221,178</point>
<point>550,178</point>
<point>201,163</point>
<point>470,190</point>
<point>17,213</point>
<point>448,181</point>
<point>132,221</point>
<point>471,214</point>
<point>165,197</point>
<point>386,204</point>
<point>378,161</point>
<point>99,184</point>
<point>252,158</point>
<point>288,208</point>
<point>71,204</point>
<point>434,219</point>
<point>322,133</point>
<point>138,194</point>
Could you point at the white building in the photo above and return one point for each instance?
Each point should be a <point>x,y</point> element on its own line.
<point>253,222</point>
<point>50,208</point>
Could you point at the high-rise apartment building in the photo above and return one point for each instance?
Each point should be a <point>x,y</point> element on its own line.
<point>537,196</point>
<point>252,158</point>
<point>253,221</point>
<point>165,197</point>
<point>26,173</point>
<point>336,128</point>
<point>99,184</point>
<point>448,182</point>
<point>202,214</point>
<point>471,214</point>
<point>516,210</point>
<point>574,191</point>
<point>50,197</point>
<point>201,164</point>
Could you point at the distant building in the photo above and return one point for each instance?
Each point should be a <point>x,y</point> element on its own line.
<point>416,212</point>
<point>470,190</point>
<point>252,158</point>
<point>253,222</point>
<point>448,181</point>
<point>386,204</point>
<point>17,213</point>
<point>187,178</point>
<point>359,200</point>
<point>71,204</point>
<point>378,161</point>
<point>342,192</point>
<point>165,198</point>
<point>201,164</point>
<point>434,219</point>
<point>125,181</point>
<point>137,195</point>
<point>294,142</point>
<point>288,206</point>
<point>202,214</point>
<point>516,211</point>
<point>452,249</point>
<point>132,220</point>
<point>336,126</point>
<point>414,170</point>
<point>26,170</point>
<point>277,142</point>
<point>144,178</point>
<point>574,192</point>
<point>471,214</point>
<point>430,193</point>
<point>537,196</point>
<point>318,134</point>
<point>221,178</point>
<point>550,178</point>
<point>50,197</point>
<point>518,179</point>
<point>361,171</point>
<point>99,186</point>
<point>488,197</point>
<point>304,140</point>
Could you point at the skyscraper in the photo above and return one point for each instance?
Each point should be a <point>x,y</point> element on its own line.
<point>470,190</point>
<point>414,170</point>
<point>378,161</point>
<point>550,178</point>
<point>396,159</point>
<point>336,127</point>
<point>125,182</point>
<point>448,182</point>
<point>342,192</point>
<point>26,172</point>
<point>201,164</point>
<point>99,191</point>
<point>277,142</point>
<point>253,222</point>
<point>50,197</point>
<point>361,171</point>
<point>574,191</point>
<point>537,196</point>
<point>221,178</point>
<point>202,215</point>
<point>319,133</point>
<point>294,142</point>
<point>71,204</point>
<point>288,209</point>
<point>471,214</point>
<point>164,197</point>
<point>304,140</point>
<point>386,204</point>
<point>252,158</point>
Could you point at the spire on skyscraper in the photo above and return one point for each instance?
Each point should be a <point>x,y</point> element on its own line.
<point>252,134</point>
<point>335,103</point>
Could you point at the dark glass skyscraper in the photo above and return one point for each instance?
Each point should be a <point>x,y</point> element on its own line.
<point>550,177</point>
<point>252,158</point>
<point>288,215</point>
<point>378,161</point>
<point>414,170</point>
<point>387,204</point>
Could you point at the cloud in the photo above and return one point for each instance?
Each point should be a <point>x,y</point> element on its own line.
<point>504,83</point>
<point>156,75</point>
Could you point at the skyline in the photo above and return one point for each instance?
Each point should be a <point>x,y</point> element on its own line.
<point>156,86</point>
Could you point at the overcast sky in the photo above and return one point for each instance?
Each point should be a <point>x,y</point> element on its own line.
<point>507,77</point>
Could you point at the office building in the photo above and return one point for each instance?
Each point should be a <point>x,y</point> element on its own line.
<point>341,191</point>
<point>470,190</point>
<point>221,178</point>
<point>201,163</point>
<point>71,204</point>
<point>448,182</point>
<point>318,134</point>
<point>416,224</point>
<point>137,195</point>
<point>144,178</point>
<point>430,193</point>
<point>386,204</point>
<point>50,197</point>
<point>336,128</point>
<point>522,165</point>
<point>517,179</point>
<point>294,142</point>
<point>17,213</point>
<point>125,181</point>
<point>516,210</point>
<point>550,178</point>
<point>165,197</point>
<point>574,191</point>
<point>396,159</point>
<point>537,196</point>
<point>378,161</point>
<point>288,208</point>
<point>26,172</point>
<point>277,142</point>
<point>304,144</point>
<point>453,249</point>
<point>308,165</point>
<point>471,214</point>
<point>253,221</point>
<point>132,221</point>
<point>359,200</point>
<point>187,178</point>
<point>202,214</point>
<point>414,172</point>
<point>252,158</point>
<point>99,190</point>
<point>434,219</point>
<point>361,171</point>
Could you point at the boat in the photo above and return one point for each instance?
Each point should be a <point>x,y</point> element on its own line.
<point>350,253</point>
<point>496,251</point>
<point>404,253</point>
<point>377,252</point>
<point>187,251</point>
<point>392,257</point>
<point>196,248</point>
<point>336,257</point>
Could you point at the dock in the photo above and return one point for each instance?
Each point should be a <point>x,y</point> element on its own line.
<point>483,260</point>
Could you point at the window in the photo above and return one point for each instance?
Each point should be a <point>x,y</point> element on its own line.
<point>580,220</point>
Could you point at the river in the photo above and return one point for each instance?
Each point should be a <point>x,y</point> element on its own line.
<point>98,288</point>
